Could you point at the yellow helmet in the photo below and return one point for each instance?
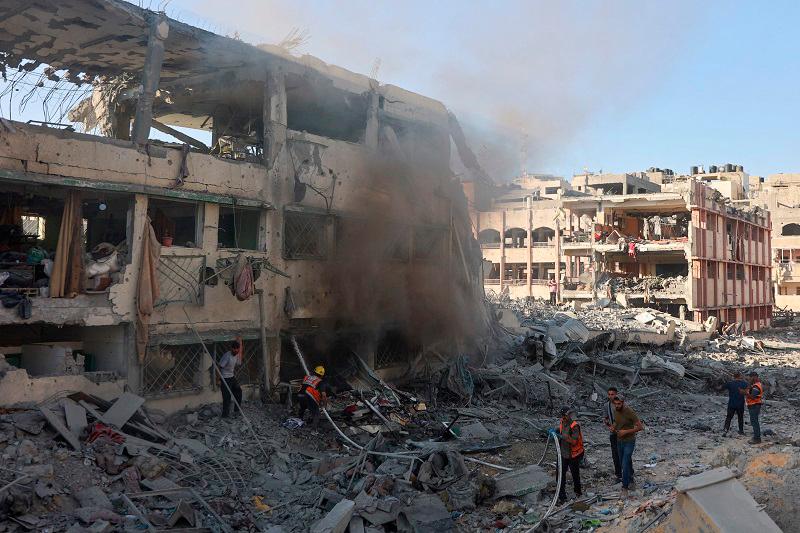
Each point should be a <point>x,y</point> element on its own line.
<point>320,370</point>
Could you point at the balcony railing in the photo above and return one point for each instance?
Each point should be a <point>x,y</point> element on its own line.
<point>490,245</point>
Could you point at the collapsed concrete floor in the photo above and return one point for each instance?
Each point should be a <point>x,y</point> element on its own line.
<point>466,444</point>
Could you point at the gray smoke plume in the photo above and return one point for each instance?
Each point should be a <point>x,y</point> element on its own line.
<point>524,77</point>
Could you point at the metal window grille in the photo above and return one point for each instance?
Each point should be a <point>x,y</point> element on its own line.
<point>428,243</point>
<point>33,225</point>
<point>251,371</point>
<point>304,236</point>
<point>180,279</point>
<point>398,246</point>
<point>169,369</point>
<point>392,350</point>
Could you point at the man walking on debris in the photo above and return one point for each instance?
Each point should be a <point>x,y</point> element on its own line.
<point>609,418</point>
<point>569,432</point>
<point>626,426</point>
<point>735,402</point>
<point>227,367</point>
<point>754,398</point>
<point>313,395</point>
<point>551,284</point>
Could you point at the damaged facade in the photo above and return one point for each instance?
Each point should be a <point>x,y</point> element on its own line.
<point>687,244</point>
<point>334,190</point>
<point>780,194</point>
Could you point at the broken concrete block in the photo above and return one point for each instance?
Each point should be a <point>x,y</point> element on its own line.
<point>93,497</point>
<point>426,513</point>
<point>476,430</point>
<point>644,317</point>
<point>76,417</point>
<point>356,525</point>
<point>90,515</point>
<point>55,421</point>
<point>716,501</point>
<point>122,410</point>
<point>532,478</point>
<point>337,520</point>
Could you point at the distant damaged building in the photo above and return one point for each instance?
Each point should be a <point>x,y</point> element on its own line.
<point>323,207</point>
<point>688,251</point>
<point>688,244</point>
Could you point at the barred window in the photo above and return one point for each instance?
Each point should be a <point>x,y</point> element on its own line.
<point>168,369</point>
<point>304,236</point>
<point>428,243</point>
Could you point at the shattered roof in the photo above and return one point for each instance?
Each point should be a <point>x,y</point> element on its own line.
<point>108,37</point>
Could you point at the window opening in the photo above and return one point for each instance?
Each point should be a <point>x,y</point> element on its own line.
<point>238,228</point>
<point>175,223</point>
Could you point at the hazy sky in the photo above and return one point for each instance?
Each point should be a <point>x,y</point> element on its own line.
<point>612,85</point>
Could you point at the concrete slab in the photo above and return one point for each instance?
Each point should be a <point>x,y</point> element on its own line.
<point>716,501</point>
<point>55,421</point>
<point>122,410</point>
<point>76,417</point>
<point>337,520</point>
<point>520,482</point>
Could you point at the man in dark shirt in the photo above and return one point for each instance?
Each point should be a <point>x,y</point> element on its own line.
<point>735,402</point>
<point>608,419</point>
<point>626,426</point>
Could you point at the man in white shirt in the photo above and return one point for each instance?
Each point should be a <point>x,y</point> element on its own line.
<point>230,385</point>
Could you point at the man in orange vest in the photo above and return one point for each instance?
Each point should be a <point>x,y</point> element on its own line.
<point>754,398</point>
<point>313,395</point>
<point>569,432</point>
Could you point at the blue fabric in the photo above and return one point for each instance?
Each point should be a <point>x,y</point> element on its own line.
<point>754,411</point>
<point>626,458</point>
<point>735,398</point>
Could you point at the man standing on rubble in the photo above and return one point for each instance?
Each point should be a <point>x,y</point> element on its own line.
<point>313,395</point>
<point>569,432</point>
<point>609,418</point>
<point>229,384</point>
<point>626,426</point>
<point>754,398</point>
<point>735,402</point>
<point>551,284</point>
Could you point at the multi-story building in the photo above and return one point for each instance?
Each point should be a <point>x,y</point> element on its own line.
<point>780,194</point>
<point>600,215</point>
<point>716,257</point>
<point>516,227</point>
<point>334,190</point>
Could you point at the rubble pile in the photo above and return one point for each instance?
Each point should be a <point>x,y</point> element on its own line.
<point>457,445</point>
<point>642,284</point>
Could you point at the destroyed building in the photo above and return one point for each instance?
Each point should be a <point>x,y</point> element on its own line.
<point>515,226</point>
<point>780,194</point>
<point>323,207</point>
<point>684,251</point>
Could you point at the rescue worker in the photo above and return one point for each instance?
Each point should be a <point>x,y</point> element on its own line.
<point>569,432</point>
<point>313,395</point>
<point>754,398</point>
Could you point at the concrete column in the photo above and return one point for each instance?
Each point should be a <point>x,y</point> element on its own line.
<point>373,125</point>
<point>502,251</point>
<point>275,120</point>
<point>530,249</point>
<point>151,74</point>
<point>558,260</point>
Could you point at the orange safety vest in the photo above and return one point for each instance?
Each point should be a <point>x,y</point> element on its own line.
<point>311,383</point>
<point>758,398</point>
<point>576,448</point>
